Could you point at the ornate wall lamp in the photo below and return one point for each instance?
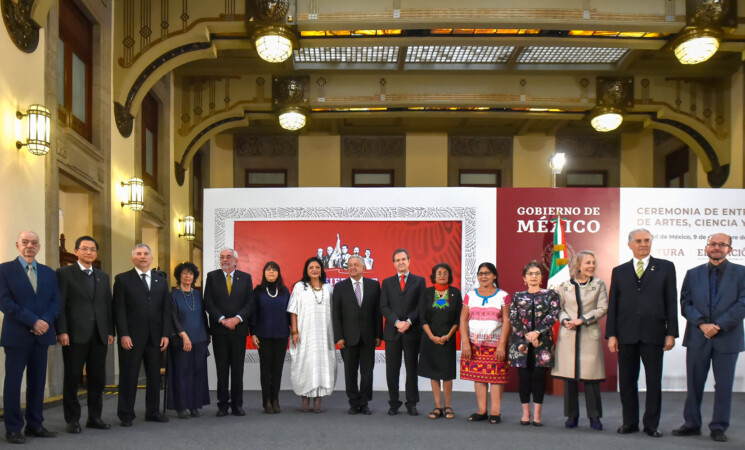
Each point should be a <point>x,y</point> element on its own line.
<point>614,95</point>
<point>705,20</point>
<point>556,163</point>
<point>38,130</point>
<point>188,227</point>
<point>134,194</point>
<point>271,32</point>
<point>290,102</point>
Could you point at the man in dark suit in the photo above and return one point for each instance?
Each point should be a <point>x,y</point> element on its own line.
<point>228,298</point>
<point>642,323</point>
<point>30,301</point>
<point>358,329</point>
<point>142,314</point>
<point>399,304</point>
<point>713,302</point>
<point>85,329</point>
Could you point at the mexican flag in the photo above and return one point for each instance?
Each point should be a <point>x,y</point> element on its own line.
<point>559,262</point>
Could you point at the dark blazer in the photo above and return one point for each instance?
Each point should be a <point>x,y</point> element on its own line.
<point>396,305</point>
<point>22,306</point>
<point>729,312</point>
<point>218,303</point>
<point>425,307</point>
<point>643,310</point>
<point>143,316</point>
<point>80,314</point>
<point>355,323</point>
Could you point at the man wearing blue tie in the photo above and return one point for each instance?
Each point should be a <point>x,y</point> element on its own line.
<point>712,300</point>
<point>30,301</point>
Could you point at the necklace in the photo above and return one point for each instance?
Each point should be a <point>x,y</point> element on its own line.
<point>314,290</point>
<point>193,301</point>
<point>581,285</point>
<point>441,299</point>
<point>276,291</point>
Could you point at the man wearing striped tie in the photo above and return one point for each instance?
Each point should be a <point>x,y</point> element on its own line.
<point>642,323</point>
<point>358,329</point>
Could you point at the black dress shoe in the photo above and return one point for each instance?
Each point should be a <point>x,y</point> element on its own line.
<point>392,411</point>
<point>74,428</point>
<point>158,417</point>
<point>652,432</point>
<point>97,424</point>
<point>627,429</point>
<point>412,411</point>
<point>39,432</point>
<point>365,410</point>
<point>194,412</point>
<point>353,410</point>
<point>718,436</point>
<point>126,423</point>
<point>685,431</point>
<point>15,438</point>
<point>238,411</point>
<point>221,412</point>
<point>183,414</point>
<point>275,407</point>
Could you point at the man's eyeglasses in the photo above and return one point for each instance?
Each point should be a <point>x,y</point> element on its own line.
<point>718,244</point>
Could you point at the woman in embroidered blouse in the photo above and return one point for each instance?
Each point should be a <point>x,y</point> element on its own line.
<point>187,357</point>
<point>579,350</point>
<point>270,328</point>
<point>484,334</point>
<point>312,350</point>
<point>439,313</point>
<point>532,315</point>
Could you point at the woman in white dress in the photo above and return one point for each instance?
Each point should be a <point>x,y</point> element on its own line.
<point>312,351</point>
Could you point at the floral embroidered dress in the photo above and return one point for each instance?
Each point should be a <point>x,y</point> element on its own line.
<point>533,312</point>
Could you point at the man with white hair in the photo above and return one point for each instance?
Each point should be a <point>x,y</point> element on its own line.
<point>30,301</point>
<point>228,298</point>
<point>142,316</point>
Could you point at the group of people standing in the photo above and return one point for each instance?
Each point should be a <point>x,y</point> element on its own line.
<point>497,330</point>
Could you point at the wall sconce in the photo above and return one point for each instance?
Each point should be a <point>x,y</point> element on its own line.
<point>39,130</point>
<point>134,194</point>
<point>273,38</point>
<point>613,96</point>
<point>289,101</point>
<point>188,228</point>
<point>556,162</point>
<point>700,39</point>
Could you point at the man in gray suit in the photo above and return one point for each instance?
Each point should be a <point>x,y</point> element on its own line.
<point>713,302</point>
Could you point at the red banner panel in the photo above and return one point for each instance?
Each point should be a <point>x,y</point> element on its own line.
<point>525,233</point>
<point>291,242</point>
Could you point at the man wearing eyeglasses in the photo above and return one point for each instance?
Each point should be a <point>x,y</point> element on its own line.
<point>30,301</point>
<point>85,329</point>
<point>712,300</point>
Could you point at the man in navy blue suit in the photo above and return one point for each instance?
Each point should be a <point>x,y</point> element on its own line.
<point>713,302</point>
<point>30,301</point>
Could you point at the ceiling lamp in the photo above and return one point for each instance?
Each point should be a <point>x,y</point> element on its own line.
<point>290,102</point>
<point>703,33</point>
<point>696,45</point>
<point>613,95</point>
<point>292,119</point>
<point>274,44</point>
<point>271,32</point>
<point>606,119</point>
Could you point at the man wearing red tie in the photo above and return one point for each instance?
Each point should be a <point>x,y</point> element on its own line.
<point>399,301</point>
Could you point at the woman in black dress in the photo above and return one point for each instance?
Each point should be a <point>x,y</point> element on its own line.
<point>187,354</point>
<point>439,312</point>
<point>270,328</point>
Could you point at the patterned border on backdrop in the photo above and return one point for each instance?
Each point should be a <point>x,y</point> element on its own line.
<point>225,217</point>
